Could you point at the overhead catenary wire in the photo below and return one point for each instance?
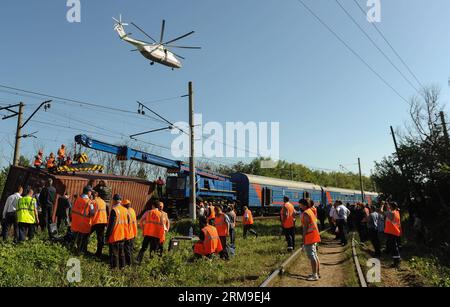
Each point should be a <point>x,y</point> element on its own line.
<point>353,51</point>
<point>73,101</point>
<point>391,46</point>
<point>376,45</point>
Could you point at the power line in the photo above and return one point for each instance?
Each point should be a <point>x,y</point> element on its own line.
<point>353,51</point>
<point>73,101</point>
<point>376,45</point>
<point>390,45</point>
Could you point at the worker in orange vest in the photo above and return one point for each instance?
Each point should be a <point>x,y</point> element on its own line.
<point>222,224</point>
<point>61,155</point>
<point>154,234</point>
<point>51,161</point>
<point>99,222</point>
<point>211,214</point>
<point>209,243</point>
<point>38,159</point>
<point>287,217</point>
<point>311,237</point>
<point>132,233</point>
<point>247,221</point>
<point>393,230</point>
<point>82,211</point>
<point>116,232</point>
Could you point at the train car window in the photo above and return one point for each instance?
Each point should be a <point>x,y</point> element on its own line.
<point>268,196</point>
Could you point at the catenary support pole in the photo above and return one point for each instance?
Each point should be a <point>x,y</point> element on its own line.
<point>18,136</point>
<point>192,177</point>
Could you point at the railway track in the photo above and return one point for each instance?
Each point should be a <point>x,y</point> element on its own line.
<point>292,272</point>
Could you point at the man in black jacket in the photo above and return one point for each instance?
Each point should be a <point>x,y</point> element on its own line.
<point>47,201</point>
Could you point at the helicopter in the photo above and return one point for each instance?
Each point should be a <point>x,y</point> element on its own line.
<point>156,52</point>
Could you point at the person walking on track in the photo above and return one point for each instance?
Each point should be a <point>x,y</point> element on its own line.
<point>393,230</point>
<point>287,217</point>
<point>311,237</point>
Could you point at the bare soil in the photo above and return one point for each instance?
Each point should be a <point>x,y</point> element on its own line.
<point>333,263</point>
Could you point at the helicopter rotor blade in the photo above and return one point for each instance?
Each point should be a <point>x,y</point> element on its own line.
<point>163,26</point>
<point>179,56</point>
<point>178,38</point>
<point>184,47</point>
<point>183,58</point>
<point>137,27</point>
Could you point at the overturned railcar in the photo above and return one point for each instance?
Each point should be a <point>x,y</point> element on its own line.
<point>137,190</point>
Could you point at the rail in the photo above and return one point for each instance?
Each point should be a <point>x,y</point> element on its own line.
<point>280,271</point>
<point>362,280</point>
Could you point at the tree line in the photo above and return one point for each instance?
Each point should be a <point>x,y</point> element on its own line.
<point>418,174</point>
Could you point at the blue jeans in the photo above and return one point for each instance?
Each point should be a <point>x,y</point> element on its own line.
<point>8,221</point>
<point>26,230</point>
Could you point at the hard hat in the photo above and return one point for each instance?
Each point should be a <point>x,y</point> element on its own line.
<point>126,202</point>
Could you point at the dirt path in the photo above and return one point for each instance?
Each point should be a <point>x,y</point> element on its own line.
<point>333,262</point>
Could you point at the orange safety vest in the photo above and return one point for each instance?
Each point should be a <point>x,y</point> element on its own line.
<point>211,244</point>
<point>100,216</point>
<point>120,229</point>
<point>50,162</point>
<point>81,221</point>
<point>132,232</point>
<point>154,225</point>
<point>221,225</point>
<point>249,220</point>
<point>212,213</point>
<point>394,226</point>
<point>287,216</point>
<point>38,160</point>
<point>312,232</point>
<point>61,153</point>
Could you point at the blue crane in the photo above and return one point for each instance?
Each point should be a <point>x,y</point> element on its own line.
<point>209,184</point>
<point>124,153</point>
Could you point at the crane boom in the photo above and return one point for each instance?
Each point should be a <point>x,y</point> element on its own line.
<point>124,153</point>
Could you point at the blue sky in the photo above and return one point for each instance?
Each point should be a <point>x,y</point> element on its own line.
<point>261,61</point>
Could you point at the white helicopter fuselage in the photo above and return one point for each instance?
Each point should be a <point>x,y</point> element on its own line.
<point>153,52</point>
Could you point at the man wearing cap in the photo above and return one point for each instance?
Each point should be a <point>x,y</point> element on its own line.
<point>117,232</point>
<point>82,211</point>
<point>99,222</point>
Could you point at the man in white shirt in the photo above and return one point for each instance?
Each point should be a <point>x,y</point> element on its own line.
<point>9,214</point>
<point>342,214</point>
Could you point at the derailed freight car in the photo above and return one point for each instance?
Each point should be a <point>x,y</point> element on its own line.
<point>137,190</point>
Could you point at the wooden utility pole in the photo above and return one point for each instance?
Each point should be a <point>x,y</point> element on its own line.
<point>360,180</point>
<point>192,177</point>
<point>18,135</point>
<point>400,161</point>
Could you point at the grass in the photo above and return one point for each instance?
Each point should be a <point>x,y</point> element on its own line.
<point>419,267</point>
<point>41,263</point>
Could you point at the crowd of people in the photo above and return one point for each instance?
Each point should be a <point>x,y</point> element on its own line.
<point>378,223</point>
<point>115,223</point>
